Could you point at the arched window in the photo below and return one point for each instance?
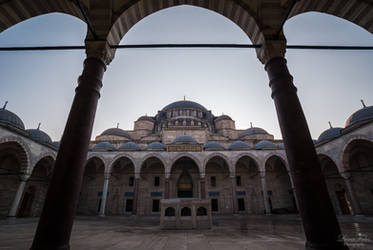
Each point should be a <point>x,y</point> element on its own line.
<point>186,211</point>
<point>201,211</point>
<point>170,211</point>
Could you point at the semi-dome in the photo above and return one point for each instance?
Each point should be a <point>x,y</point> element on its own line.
<point>184,104</point>
<point>213,145</point>
<point>39,136</point>
<point>11,119</point>
<point>130,146</point>
<point>253,131</point>
<point>156,146</point>
<point>363,114</point>
<point>104,146</point>
<point>146,118</point>
<point>329,134</point>
<point>185,139</point>
<point>223,117</point>
<point>239,145</point>
<point>264,144</point>
<point>116,132</point>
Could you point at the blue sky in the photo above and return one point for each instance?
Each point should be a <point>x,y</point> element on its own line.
<point>40,85</point>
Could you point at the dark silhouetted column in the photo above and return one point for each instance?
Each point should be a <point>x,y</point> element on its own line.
<point>56,221</point>
<point>167,189</point>
<point>319,220</point>
<point>135,195</point>
<point>203,188</point>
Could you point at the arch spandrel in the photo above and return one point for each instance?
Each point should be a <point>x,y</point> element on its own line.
<point>356,11</point>
<point>16,11</point>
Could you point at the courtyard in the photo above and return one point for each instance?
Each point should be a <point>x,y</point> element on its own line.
<point>228,232</point>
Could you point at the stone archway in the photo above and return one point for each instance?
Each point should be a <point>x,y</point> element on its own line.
<point>13,160</point>
<point>121,187</point>
<point>36,188</point>
<point>336,185</point>
<point>249,197</point>
<point>358,164</point>
<point>91,191</point>
<point>184,178</point>
<point>152,186</point>
<point>218,184</point>
<point>279,189</point>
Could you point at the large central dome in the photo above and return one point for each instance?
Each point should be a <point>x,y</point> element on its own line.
<point>184,104</point>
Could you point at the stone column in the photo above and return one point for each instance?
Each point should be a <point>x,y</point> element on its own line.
<point>263,183</point>
<point>319,220</point>
<point>17,199</point>
<point>234,194</point>
<point>356,207</point>
<point>104,194</point>
<point>56,221</point>
<point>135,195</point>
<point>167,188</point>
<point>202,182</point>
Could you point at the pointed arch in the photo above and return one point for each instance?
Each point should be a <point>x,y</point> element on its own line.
<point>119,156</point>
<point>186,155</point>
<point>22,150</point>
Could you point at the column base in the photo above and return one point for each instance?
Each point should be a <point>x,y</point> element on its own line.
<point>339,245</point>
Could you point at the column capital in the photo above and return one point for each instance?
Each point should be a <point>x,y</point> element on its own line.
<point>271,49</point>
<point>24,177</point>
<point>262,174</point>
<point>107,176</point>
<point>99,49</point>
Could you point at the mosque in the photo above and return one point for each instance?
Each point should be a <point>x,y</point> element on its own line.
<point>186,151</point>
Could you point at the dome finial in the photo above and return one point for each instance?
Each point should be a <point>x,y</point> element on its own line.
<point>362,102</point>
<point>330,124</point>
<point>251,125</point>
<point>117,124</point>
<point>5,104</point>
<point>39,126</point>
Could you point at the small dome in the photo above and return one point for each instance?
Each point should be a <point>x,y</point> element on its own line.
<point>104,146</point>
<point>363,114</point>
<point>184,104</point>
<point>185,139</point>
<point>116,132</point>
<point>146,118</point>
<point>253,131</point>
<point>213,145</point>
<point>222,117</point>
<point>39,136</point>
<point>329,134</point>
<point>11,119</point>
<point>265,145</point>
<point>239,145</point>
<point>56,144</point>
<point>156,146</point>
<point>130,146</point>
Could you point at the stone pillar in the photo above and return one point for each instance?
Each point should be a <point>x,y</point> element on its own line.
<point>104,194</point>
<point>319,220</point>
<point>17,199</point>
<point>56,221</point>
<point>234,194</point>
<point>167,188</point>
<point>135,195</point>
<point>263,183</point>
<point>356,207</point>
<point>202,182</point>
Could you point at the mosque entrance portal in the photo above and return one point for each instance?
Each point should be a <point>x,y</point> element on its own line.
<point>185,185</point>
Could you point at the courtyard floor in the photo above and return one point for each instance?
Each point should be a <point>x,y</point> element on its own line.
<point>143,233</point>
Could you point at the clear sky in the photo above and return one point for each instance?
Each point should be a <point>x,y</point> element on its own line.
<point>40,85</point>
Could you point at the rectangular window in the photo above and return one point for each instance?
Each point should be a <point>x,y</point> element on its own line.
<point>238,181</point>
<point>214,205</point>
<point>99,205</point>
<point>129,205</point>
<point>156,181</point>
<point>131,181</point>
<point>241,204</point>
<point>155,207</point>
<point>213,181</point>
